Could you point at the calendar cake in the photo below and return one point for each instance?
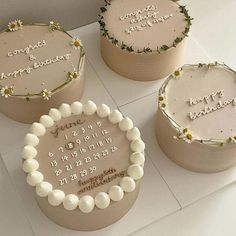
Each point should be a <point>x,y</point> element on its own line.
<point>143,40</point>
<point>41,67</point>
<point>86,163</point>
<point>195,124</point>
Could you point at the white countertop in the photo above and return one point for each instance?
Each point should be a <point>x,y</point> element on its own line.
<point>172,201</point>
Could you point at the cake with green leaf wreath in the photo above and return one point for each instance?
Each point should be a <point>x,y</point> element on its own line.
<point>41,67</point>
<point>143,40</point>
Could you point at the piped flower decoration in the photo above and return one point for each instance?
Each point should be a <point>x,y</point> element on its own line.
<point>46,94</point>
<point>73,75</point>
<point>54,25</point>
<point>232,139</point>
<point>76,43</point>
<point>7,91</point>
<point>15,25</point>
<point>161,101</point>
<point>177,73</point>
<point>185,135</point>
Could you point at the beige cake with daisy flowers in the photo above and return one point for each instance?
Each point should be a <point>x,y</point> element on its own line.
<point>195,124</point>
<point>143,40</point>
<point>42,66</point>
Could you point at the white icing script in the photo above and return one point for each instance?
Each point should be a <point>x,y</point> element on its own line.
<point>206,98</point>
<point>147,20</point>
<point>208,109</point>
<point>36,65</point>
<point>27,49</point>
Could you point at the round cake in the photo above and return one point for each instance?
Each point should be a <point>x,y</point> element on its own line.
<point>41,67</point>
<point>143,40</point>
<point>85,163</point>
<point>195,121</point>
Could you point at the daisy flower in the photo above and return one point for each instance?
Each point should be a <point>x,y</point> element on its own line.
<point>177,73</point>
<point>19,24</point>
<point>232,139</point>
<point>76,43</point>
<point>15,25</point>
<point>185,135</point>
<point>161,101</point>
<point>73,75</point>
<point>46,94</point>
<point>54,26</point>
<point>7,91</point>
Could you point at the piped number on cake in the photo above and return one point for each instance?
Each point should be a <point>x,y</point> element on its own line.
<point>79,154</point>
<point>147,16</point>
<point>206,100</point>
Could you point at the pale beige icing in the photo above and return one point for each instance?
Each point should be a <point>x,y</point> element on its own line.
<point>211,146</point>
<point>63,145</point>
<point>113,140</point>
<point>162,33</point>
<point>197,83</point>
<point>50,76</point>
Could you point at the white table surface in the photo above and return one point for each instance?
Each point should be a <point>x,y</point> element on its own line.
<point>172,201</point>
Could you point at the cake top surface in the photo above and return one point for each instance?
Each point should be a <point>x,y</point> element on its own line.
<point>84,150</point>
<point>36,58</point>
<point>152,25</point>
<point>200,101</point>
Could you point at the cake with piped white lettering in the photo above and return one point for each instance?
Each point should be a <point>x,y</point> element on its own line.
<point>143,40</point>
<point>85,162</point>
<point>195,121</point>
<point>41,67</point>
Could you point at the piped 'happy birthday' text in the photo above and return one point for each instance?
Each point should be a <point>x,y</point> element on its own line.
<point>206,100</point>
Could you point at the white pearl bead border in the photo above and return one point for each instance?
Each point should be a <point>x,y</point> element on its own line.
<point>86,203</point>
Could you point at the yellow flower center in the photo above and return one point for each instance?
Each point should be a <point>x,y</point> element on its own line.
<point>8,91</point>
<point>189,136</point>
<point>177,73</point>
<point>161,98</point>
<point>163,105</point>
<point>77,43</point>
<point>185,130</point>
<point>13,26</point>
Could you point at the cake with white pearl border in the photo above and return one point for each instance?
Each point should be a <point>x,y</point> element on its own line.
<point>42,66</point>
<point>143,39</point>
<point>85,163</point>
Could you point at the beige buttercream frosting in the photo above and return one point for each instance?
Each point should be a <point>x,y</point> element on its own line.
<point>109,154</point>
<point>57,43</point>
<point>85,163</point>
<point>195,120</point>
<point>202,88</point>
<point>153,35</point>
<point>36,61</point>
